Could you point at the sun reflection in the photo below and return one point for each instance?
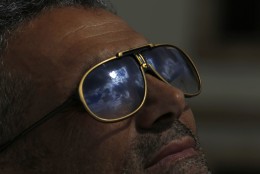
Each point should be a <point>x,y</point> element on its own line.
<point>113,74</point>
<point>119,76</point>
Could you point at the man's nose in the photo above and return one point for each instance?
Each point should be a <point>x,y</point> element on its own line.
<point>163,103</point>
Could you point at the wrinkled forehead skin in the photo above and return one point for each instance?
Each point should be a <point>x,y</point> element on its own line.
<point>56,47</point>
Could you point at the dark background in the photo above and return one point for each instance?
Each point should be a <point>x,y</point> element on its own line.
<point>223,38</point>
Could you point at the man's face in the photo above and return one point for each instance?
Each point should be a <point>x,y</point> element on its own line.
<point>55,49</point>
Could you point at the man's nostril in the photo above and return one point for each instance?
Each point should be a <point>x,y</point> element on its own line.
<point>164,118</point>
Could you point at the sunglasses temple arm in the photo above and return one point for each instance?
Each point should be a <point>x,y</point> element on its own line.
<point>38,123</point>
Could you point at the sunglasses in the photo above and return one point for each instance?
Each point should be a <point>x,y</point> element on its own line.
<point>116,88</point>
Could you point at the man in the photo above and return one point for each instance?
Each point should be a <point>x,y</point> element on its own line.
<point>127,116</point>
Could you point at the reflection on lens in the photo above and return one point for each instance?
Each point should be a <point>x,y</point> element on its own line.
<point>114,89</point>
<point>174,67</point>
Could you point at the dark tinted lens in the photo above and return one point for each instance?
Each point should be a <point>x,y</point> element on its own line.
<point>174,67</point>
<point>114,89</point>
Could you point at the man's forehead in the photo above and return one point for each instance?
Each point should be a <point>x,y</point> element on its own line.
<point>61,43</point>
<point>69,33</point>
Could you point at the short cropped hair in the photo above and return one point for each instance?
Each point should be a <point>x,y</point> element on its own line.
<point>15,12</point>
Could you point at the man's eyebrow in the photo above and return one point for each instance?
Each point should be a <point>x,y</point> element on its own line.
<point>100,57</point>
<point>86,65</point>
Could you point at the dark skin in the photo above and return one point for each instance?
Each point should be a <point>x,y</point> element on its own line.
<point>55,49</point>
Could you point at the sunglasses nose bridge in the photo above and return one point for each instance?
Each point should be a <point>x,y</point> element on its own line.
<point>141,60</point>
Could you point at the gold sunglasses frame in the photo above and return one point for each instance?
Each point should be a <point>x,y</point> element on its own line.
<point>143,66</point>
